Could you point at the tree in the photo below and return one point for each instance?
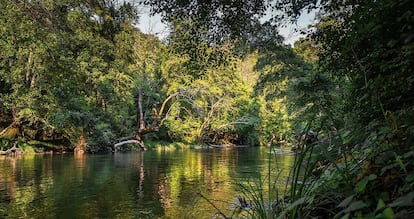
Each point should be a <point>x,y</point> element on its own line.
<point>209,72</point>
<point>153,124</point>
<point>365,53</point>
<point>59,64</point>
<point>24,74</point>
<point>214,20</point>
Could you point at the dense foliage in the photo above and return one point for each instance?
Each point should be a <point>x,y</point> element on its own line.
<point>360,89</point>
<point>78,75</point>
<point>65,77</point>
<point>351,80</point>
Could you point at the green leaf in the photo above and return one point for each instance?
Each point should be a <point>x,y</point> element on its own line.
<point>360,186</point>
<point>388,213</point>
<point>403,201</point>
<point>345,202</point>
<point>297,203</point>
<point>355,206</point>
<point>372,177</point>
<point>346,216</point>
<point>380,205</point>
<point>410,177</point>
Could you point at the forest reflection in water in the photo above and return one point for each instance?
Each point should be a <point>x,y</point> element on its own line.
<point>151,184</point>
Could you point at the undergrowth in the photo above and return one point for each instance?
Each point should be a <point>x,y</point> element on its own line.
<point>364,173</point>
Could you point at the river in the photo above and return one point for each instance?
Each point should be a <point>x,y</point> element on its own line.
<point>150,184</point>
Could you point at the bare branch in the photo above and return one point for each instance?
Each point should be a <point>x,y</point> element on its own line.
<point>241,121</point>
<point>130,142</point>
<point>167,114</point>
<point>210,114</point>
<point>154,127</point>
<point>168,99</point>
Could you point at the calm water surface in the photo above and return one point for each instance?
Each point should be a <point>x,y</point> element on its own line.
<point>151,184</point>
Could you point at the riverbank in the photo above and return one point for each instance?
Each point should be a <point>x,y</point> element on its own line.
<point>38,147</point>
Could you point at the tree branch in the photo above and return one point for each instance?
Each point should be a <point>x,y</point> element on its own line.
<point>237,122</point>
<point>186,98</point>
<point>130,142</point>
<point>166,101</point>
<point>7,128</point>
<point>158,119</point>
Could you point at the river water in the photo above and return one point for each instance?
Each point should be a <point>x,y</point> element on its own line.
<point>150,184</point>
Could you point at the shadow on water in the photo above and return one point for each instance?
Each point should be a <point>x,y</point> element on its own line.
<point>151,184</point>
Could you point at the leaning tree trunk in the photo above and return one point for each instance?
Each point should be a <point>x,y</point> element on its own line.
<point>14,123</point>
<point>158,118</point>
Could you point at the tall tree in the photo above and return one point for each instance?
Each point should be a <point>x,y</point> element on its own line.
<point>59,63</point>
<point>214,20</point>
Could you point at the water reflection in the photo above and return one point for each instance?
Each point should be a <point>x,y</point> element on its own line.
<point>154,184</point>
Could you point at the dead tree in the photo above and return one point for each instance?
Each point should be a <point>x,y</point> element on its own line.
<point>158,117</point>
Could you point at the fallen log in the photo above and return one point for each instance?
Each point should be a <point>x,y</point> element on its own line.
<point>130,142</point>
<point>228,146</point>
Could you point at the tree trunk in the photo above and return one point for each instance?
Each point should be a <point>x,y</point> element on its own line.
<point>80,145</point>
<point>133,141</point>
<point>141,125</point>
<point>158,117</point>
<point>101,99</point>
